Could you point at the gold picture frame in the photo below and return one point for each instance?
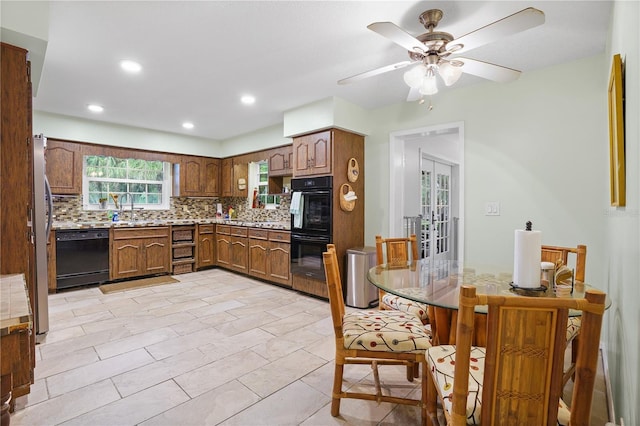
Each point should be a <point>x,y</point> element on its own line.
<point>616,134</point>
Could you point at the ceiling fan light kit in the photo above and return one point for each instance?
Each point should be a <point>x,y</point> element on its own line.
<point>431,51</point>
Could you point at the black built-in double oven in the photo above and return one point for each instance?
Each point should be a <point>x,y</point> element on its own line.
<point>311,229</point>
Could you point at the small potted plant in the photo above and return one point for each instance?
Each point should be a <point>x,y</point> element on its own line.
<point>103,202</point>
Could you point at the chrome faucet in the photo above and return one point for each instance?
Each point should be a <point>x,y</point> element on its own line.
<point>130,199</point>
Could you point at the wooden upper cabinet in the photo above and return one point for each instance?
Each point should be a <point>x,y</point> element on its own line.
<point>199,177</point>
<point>190,176</point>
<point>240,174</point>
<point>64,167</point>
<point>211,175</point>
<point>226,177</point>
<point>281,162</point>
<point>312,154</point>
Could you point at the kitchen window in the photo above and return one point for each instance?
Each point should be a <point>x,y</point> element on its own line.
<point>259,187</point>
<point>148,182</point>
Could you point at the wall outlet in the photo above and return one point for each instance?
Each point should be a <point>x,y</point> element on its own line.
<point>184,209</point>
<point>492,208</point>
<point>206,208</point>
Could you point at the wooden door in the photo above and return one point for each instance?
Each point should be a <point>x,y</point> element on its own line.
<point>126,258</point>
<point>226,177</point>
<point>279,262</point>
<point>312,154</point>
<point>64,167</point>
<point>156,255</point>
<point>206,246</point>
<point>301,156</point>
<point>223,246</point>
<point>240,254</point>
<point>240,172</point>
<point>190,177</point>
<point>281,162</point>
<point>258,255</point>
<point>321,148</point>
<point>211,177</point>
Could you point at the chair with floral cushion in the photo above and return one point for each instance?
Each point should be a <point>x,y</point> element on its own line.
<point>560,255</point>
<point>397,255</point>
<point>372,337</point>
<point>517,378</point>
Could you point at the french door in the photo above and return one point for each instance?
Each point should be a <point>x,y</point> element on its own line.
<point>435,209</point>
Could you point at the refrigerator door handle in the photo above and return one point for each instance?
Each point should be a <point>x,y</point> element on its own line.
<point>47,190</point>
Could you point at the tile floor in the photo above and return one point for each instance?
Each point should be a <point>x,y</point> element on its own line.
<point>215,348</point>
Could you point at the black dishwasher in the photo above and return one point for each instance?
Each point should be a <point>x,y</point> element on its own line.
<point>82,257</point>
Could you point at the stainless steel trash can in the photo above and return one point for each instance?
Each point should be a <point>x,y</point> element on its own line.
<point>360,293</point>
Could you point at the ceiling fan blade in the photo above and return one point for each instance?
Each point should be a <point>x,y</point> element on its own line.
<point>512,24</point>
<point>376,71</point>
<point>414,94</point>
<point>489,71</point>
<point>398,36</point>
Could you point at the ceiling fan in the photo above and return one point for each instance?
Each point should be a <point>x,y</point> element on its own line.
<point>434,52</point>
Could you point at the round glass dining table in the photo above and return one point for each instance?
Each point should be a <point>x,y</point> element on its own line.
<point>437,284</point>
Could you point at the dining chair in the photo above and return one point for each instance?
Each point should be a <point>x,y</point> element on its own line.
<point>578,258</point>
<point>397,256</point>
<point>372,337</point>
<point>516,379</point>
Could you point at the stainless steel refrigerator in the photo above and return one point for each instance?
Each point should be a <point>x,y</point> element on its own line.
<point>42,219</point>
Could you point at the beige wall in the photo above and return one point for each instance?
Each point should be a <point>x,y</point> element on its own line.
<point>76,129</point>
<point>535,145</point>
<point>621,256</point>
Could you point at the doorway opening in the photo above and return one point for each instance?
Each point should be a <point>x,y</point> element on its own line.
<point>427,188</point>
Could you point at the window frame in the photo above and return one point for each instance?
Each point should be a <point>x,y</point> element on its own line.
<point>254,182</point>
<point>166,184</point>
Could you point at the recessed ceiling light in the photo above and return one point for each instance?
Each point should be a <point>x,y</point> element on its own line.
<point>248,100</point>
<point>187,125</point>
<point>95,108</point>
<point>130,66</point>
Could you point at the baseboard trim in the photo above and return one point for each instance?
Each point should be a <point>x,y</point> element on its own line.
<point>611,411</point>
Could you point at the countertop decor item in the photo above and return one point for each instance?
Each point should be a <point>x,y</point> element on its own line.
<point>616,134</point>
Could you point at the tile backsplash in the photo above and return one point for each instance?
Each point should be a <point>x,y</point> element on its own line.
<point>69,209</point>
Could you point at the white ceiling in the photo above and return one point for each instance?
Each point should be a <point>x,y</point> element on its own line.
<point>199,57</point>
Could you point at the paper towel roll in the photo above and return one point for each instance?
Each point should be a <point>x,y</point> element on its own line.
<point>526,255</point>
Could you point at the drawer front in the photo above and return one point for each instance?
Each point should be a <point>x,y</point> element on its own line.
<point>238,231</point>
<point>181,252</point>
<point>260,234</point>
<point>182,234</point>
<point>127,233</point>
<point>282,236</point>
<point>205,229</point>
<point>182,268</point>
<point>223,229</point>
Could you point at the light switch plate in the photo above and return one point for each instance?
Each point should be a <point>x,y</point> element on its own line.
<point>492,208</point>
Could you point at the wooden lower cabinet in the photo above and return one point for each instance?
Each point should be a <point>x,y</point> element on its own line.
<point>239,249</point>
<point>206,243</point>
<point>258,253</point>
<point>140,251</point>
<point>223,246</point>
<point>269,255</point>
